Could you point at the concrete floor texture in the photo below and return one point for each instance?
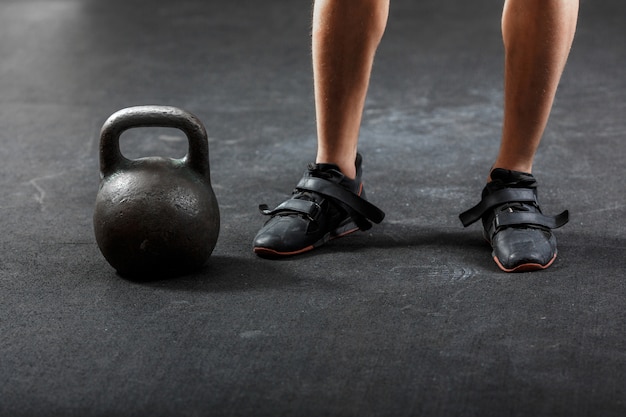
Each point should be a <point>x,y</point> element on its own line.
<point>411,318</point>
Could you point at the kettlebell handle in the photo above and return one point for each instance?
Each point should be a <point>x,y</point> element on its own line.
<point>153,116</point>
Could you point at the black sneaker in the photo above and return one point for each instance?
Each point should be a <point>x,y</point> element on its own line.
<point>325,205</point>
<point>513,223</point>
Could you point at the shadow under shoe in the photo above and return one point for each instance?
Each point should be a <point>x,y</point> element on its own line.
<point>519,233</point>
<point>324,205</point>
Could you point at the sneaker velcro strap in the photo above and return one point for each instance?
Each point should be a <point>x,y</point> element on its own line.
<point>503,196</point>
<point>340,194</point>
<point>516,218</point>
<point>308,208</point>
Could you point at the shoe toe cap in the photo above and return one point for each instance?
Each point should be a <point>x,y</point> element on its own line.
<point>282,235</point>
<point>516,249</point>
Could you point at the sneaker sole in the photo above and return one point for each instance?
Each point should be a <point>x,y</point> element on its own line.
<point>524,267</point>
<point>335,234</point>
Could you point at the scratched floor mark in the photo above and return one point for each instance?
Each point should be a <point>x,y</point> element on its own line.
<point>40,195</point>
<point>436,273</point>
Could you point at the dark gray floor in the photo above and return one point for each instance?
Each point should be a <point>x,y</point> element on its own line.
<point>409,319</point>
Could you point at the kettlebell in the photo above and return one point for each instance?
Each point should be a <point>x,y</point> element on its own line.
<point>155,216</point>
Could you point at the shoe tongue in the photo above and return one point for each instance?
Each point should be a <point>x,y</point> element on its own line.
<point>332,171</point>
<point>505,178</point>
<point>508,178</point>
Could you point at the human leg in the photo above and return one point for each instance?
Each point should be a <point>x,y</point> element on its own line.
<point>329,200</point>
<point>345,37</point>
<point>537,36</point>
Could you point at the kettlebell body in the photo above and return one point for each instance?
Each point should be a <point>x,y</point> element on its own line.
<point>155,216</point>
